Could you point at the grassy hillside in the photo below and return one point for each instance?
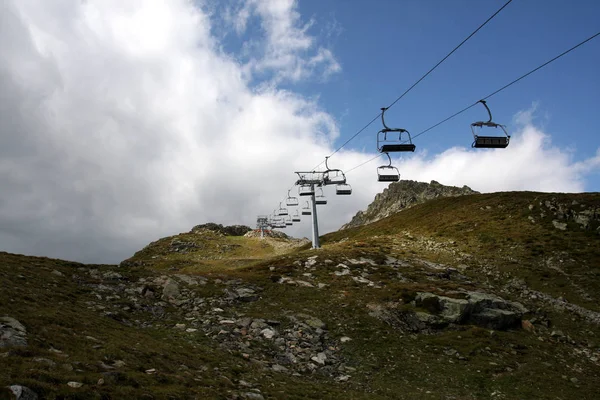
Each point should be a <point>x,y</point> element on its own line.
<point>209,316</point>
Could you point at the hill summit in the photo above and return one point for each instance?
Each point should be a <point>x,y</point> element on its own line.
<point>402,195</point>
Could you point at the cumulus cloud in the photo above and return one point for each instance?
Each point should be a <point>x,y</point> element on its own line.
<point>123,122</point>
<point>286,49</point>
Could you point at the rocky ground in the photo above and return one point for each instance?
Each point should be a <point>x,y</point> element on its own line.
<point>397,314</point>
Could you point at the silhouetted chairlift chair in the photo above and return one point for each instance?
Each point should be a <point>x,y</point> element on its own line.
<point>291,201</point>
<point>306,209</point>
<point>389,144</point>
<point>305,190</point>
<point>320,198</point>
<point>489,142</point>
<point>388,173</point>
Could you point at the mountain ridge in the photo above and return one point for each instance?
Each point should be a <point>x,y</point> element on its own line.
<point>401,195</point>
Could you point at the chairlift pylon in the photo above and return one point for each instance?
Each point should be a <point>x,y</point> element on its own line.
<point>306,209</point>
<point>489,142</point>
<point>388,173</point>
<point>389,145</point>
<point>291,201</point>
<point>320,198</point>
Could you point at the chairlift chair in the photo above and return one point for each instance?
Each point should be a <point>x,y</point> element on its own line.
<point>288,221</point>
<point>390,144</point>
<point>489,142</point>
<point>306,190</point>
<point>333,176</point>
<point>282,210</point>
<point>343,189</point>
<point>320,198</point>
<point>306,209</point>
<point>291,201</point>
<point>388,173</point>
<point>296,217</point>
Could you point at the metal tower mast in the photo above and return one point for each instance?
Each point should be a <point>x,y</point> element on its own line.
<point>307,182</point>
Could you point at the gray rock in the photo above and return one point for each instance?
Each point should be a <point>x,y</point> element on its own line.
<point>268,333</point>
<point>12,333</point>
<point>451,310</point>
<point>482,309</point>
<point>23,392</point>
<point>315,323</point>
<point>171,290</point>
<point>246,295</point>
<point>111,275</point>
<point>320,358</point>
<point>253,396</point>
<point>495,319</point>
<point>279,368</point>
<point>559,225</point>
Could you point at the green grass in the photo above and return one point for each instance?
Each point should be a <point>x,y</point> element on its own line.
<point>487,238</point>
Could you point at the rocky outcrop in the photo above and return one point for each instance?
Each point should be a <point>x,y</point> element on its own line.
<point>476,308</point>
<point>402,195</point>
<point>12,333</point>
<point>430,312</point>
<point>267,233</point>
<point>565,214</point>
<point>233,230</point>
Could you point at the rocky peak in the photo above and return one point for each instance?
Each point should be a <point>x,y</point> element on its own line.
<point>233,230</point>
<point>402,195</point>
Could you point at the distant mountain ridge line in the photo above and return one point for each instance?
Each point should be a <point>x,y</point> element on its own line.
<point>402,195</point>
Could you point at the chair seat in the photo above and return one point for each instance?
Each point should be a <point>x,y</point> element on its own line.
<point>388,178</point>
<point>490,142</point>
<point>391,148</point>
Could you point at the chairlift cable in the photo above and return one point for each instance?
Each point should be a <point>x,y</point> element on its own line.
<point>421,78</point>
<point>488,96</point>
<point>508,85</point>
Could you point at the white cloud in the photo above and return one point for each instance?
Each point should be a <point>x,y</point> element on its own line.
<point>530,162</point>
<point>288,50</point>
<point>123,122</point>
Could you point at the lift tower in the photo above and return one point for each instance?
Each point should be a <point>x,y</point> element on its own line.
<point>307,182</point>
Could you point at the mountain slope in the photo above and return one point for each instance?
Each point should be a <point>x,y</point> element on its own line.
<point>402,195</point>
<point>463,297</point>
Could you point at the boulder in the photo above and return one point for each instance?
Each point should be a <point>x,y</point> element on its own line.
<point>12,333</point>
<point>22,392</point>
<point>481,309</point>
<point>171,290</point>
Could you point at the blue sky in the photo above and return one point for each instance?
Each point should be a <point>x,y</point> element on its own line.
<point>385,47</point>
